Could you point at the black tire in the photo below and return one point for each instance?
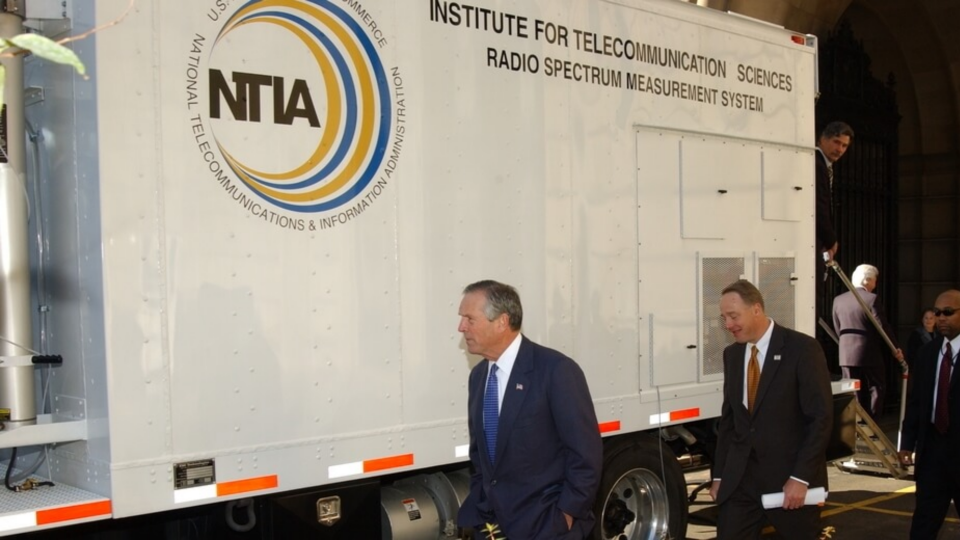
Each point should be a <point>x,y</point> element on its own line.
<point>639,498</point>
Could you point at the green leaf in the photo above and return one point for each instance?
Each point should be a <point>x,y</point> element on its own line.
<point>45,47</point>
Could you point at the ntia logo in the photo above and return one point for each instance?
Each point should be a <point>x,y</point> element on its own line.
<point>299,103</point>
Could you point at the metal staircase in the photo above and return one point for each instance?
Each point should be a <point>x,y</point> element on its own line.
<point>875,452</point>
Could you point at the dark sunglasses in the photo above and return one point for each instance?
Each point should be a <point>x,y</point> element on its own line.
<point>946,312</point>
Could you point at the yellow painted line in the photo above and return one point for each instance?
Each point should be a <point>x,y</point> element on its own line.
<point>865,505</point>
<point>867,502</point>
<point>890,512</point>
<point>881,511</point>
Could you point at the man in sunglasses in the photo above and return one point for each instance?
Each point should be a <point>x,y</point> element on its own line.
<point>931,426</point>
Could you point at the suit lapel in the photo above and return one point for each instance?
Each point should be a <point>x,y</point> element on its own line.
<point>771,363</point>
<point>928,380</point>
<point>954,376</point>
<point>517,387</point>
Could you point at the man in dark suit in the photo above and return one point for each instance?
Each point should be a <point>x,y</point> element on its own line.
<point>534,440</point>
<point>775,422</point>
<point>862,348</point>
<point>931,424</point>
<point>832,144</point>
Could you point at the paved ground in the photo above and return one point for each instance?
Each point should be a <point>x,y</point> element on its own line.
<point>861,506</point>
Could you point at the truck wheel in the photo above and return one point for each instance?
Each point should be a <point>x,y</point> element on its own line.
<point>639,499</point>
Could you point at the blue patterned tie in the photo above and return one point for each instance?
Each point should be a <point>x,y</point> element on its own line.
<point>491,413</point>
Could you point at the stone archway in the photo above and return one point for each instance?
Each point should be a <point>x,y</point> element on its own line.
<point>916,42</point>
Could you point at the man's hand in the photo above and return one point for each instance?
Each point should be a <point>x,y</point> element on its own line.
<point>794,493</point>
<point>714,489</point>
<point>906,457</point>
<point>832,250</point>
<point>899,355</point>
<point>569,519</point>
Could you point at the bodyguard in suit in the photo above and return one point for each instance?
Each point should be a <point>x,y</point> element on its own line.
<point>775,422</point>
<point>863,352</point>
<point>931,424</point>
<point>534,440</point>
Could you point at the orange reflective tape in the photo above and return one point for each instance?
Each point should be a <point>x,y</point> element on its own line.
<point>245,485</point>
<point>373,465</point>
<point>78,511</point>
<point>856,384</point>
<point>607,427</point>
<point>684,414</point>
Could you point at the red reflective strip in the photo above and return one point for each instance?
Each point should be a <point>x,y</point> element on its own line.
<point>248,484</point>
<point>68,513</point>
<point>856,385</point>
<point>684,414</point>
<point>392,462</point>
<point>607,427</point>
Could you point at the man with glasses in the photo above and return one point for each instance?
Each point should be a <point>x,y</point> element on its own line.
<point>931,426</point>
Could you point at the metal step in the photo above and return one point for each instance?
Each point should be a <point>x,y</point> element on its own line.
<point>47,507</point>
<point>875,452</point>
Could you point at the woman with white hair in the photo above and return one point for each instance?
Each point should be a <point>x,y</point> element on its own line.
<point>862,348</point>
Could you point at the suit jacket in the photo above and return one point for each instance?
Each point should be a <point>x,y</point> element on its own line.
<point>826,235</point>
<point>549,453</point>
<point>918,338</point>
<point>792,418</point>
<point>860,343</point>
<point>917,423</point>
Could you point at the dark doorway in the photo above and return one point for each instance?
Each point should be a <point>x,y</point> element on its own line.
<point>865,185</point>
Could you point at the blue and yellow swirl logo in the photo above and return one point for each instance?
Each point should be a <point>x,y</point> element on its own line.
<point>318,74</point>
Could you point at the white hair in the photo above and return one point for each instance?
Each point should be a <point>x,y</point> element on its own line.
<point>863,273</point>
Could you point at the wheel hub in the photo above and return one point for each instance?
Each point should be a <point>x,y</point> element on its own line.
<point>636,508</point>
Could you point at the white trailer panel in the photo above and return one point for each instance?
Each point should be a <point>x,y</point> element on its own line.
<point>264,213</point>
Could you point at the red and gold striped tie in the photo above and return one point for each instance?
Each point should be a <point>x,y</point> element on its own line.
<point>753,378</point>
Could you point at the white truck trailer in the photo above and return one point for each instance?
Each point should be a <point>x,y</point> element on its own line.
<point>247,231</point>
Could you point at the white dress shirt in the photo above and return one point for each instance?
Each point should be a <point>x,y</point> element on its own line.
<point>504,367</point>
